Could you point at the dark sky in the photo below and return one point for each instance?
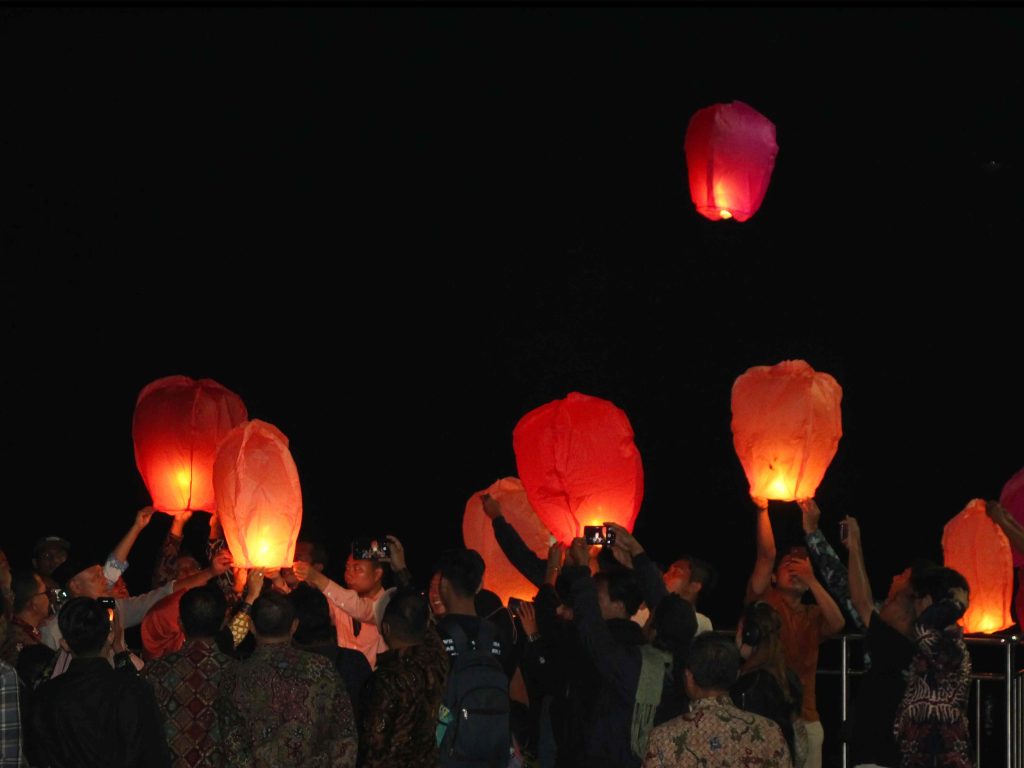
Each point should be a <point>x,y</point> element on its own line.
<point>395,230</point>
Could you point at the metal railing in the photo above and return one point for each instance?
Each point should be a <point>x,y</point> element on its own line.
<point>1009,677</point>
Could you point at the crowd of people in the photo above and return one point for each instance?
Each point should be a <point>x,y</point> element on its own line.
<point>610,665</point>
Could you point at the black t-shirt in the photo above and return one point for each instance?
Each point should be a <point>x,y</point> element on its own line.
<point>881,690</point>
<point>471,626</point>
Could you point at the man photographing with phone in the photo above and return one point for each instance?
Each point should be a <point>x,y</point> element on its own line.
<point>352,605</point>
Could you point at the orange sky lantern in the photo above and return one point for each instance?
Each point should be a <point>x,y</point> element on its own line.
<point>579,465</point>
<point>786,425</point>
<point>730,154</point>
<point>500,576</point>
<point>976,547</point>
<point>176,427</point>
<point>258,496</point>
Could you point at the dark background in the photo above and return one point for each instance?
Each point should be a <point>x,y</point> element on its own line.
<point>393,231</point>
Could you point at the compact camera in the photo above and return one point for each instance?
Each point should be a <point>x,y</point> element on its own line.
<point>600,535</point>
<point>372,549</point>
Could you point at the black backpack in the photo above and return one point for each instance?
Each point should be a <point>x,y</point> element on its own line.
<point>479,732</point>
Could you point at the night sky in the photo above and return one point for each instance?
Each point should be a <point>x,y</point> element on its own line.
<point>393,231</point>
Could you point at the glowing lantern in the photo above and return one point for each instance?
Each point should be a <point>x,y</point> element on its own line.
<point>258,496</point>
<point>579,465</point>
<point>730,154</point>
<point>177,425</point>
<point>500,576</point>
<point>976,547</point>
<point>786,427</point>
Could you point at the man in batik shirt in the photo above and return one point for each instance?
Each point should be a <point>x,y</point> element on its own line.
<point>284,706</point>
<point>715,732</point>
<point>404,693</point>
<point>186,682</point>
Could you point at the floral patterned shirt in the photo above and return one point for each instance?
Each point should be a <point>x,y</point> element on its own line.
<point>716,734</point>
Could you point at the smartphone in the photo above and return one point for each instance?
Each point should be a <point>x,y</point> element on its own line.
<point>514,604</point>
<point>844,530</point>
<point>110,604</point>
<point>600,535</point>
<point>369,548</point>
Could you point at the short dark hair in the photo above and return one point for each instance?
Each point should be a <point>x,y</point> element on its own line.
<point>272,615</point>
<point>463,569</point>
<point>622,588</point>
<point>202,611</point>
<point>318,552</point>
<point>314,615</point>
<point>937,583</point>
<point>714,661</point>
<point>25,586</point>
<point>84,624</point>
<point>674,623</point>
<point>407,614</point>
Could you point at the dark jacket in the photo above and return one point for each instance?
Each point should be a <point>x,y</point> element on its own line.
<point>94,715</point>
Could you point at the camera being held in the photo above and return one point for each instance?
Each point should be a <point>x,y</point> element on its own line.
<point>599,535</point>
<point>368,548</point>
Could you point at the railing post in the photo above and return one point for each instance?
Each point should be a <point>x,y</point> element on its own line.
<point>843,672</point>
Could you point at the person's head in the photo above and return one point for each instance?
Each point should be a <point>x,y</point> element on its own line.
<point>186,566</point>
<point>311,552</point>
<point>712,666</point>
<point>273,618</point>
<point>786,577</point>
<point>48,553</point>
<point>85,627</point>
<point>690,577</point>
<point>202,611</point>
<point>31,597</point>
<point>80,581</point>
<point>405,619</point>
<point>932,584</point>
<point>462,574</point>
<point>618,593</point>
<point>364,577</point>
<point>314,616</point>
<point>673,625</point>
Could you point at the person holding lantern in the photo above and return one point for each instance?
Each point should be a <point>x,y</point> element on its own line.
<point>888,643</point>
<point>782,583</point>
<point>352,606</point>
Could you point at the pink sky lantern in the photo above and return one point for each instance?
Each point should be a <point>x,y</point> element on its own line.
<point>976,546</point>
<point>1012,499</point>
<point>177,425</point>
<point>258,496</point>
<point>500,576</point>
<point>786,426</point>
<point>730,154</point>
<point>579,465</point>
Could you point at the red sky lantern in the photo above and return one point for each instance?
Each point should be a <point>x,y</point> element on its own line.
<point>976,547</point>
<point>500,576</point>
<point>579,465</point>
<point>259,499</point>
<point>1012,499</point>
<point>786,426</point>
<point>177,425</point>
<point>730,154</point>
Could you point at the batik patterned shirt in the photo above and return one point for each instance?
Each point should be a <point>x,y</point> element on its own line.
<point>186,684</point>
<point>285,707</point>
<point>10,718</point>
<point>716,734</point>
<point>401,704</point>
